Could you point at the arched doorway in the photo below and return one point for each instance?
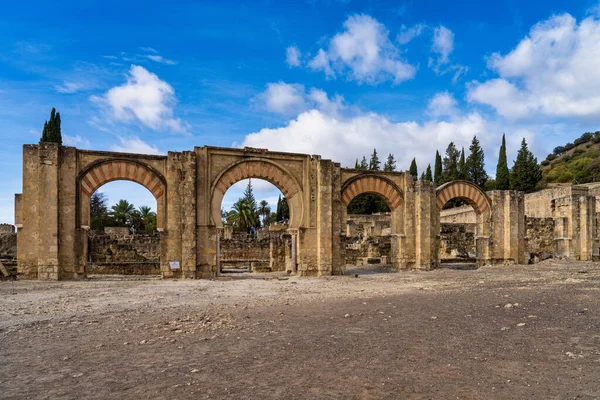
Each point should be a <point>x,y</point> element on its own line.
<point>465,232</point>
<point>275,174</point>
<point>372,212</point>
<point>104,172</point>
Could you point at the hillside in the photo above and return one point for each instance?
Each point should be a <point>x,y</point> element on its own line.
<point>577,162</point>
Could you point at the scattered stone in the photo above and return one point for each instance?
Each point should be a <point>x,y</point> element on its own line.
<point>347,316</point>
<point>504,328</point>
<point>78,375</point>
<point>194,371</point>
<point>521,324</point>
<point>508,306</point>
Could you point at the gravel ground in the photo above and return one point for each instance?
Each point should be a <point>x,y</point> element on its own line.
<point>499,332</point>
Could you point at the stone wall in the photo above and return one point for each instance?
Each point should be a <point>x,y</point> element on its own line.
<point>270,251</point>
<point>457,242</point>
<point>370,250</point>
<point>378,224</point>
<point>539,238</point>
<point>458,215</point>
<point>114,252</point>
<point>8,245</point>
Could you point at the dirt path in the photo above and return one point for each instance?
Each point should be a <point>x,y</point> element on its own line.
<point>503,332</point>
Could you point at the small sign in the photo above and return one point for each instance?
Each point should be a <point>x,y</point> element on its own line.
<point>174,265</point>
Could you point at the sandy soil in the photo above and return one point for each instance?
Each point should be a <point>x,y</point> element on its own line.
<point>502,332</point>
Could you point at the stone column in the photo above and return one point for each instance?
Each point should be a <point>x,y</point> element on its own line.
<point>181,213</point>
<point>47,213</point>
<point>426,223</point>
<point>507,228</point>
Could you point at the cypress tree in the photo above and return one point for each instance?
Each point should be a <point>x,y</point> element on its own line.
<point>363,163</point>
<point>462,166</point>
<point>413,169</point>
<point>428,176</point>
<point>51,132</point>
<point>502,174</point>
<point>390,163</point>
<point>526,172</point>
<point>438,169</point>
<point>356,166</point>
<point>450,163</point>
<point>278,215</point>
<point>374,162</point>
<point>475,164</point>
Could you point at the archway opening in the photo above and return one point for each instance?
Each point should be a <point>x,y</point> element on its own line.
<point>123,238</point>
<point>463,228</point>
<point>255,215</point>
<point>368,234</point>
<point>457,233</point>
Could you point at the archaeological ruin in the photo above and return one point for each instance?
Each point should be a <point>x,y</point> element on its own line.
<point>52,216</point>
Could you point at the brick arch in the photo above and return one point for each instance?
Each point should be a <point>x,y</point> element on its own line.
<point>258,168</point>
<point>373,184</point>
<point>112,170</point>
<point>463,190</point>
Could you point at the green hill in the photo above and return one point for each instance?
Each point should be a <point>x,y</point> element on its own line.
<point>577,162</point>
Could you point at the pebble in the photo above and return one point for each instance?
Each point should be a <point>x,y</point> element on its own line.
<point>194,371</point>
<point>347,316</point>
<point>521,324</point>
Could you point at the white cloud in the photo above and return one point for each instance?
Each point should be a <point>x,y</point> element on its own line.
<point>148,49</point>
<point>144,98</point>
<point>161,59</point>
<point>552,72</point>
<point>76,141</point>
<point>134,145</point>
<point>283,98</point>
<point>363,52</point>
<point>443,44</point>
<point>292,99</point>
<point>407,34</point>
<point>292,56</point>
<point>69,87</point>
<point>442,104</point>
<point>347,136</point>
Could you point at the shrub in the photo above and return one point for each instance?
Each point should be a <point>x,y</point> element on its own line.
<point>559,150</point>
<point>545,163</point>
<point>551,157</point>
<point>569,146</point>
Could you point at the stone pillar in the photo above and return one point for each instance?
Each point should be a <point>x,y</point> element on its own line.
<point>181,213</point>
<point>426,226</point>
<point>324,218</point>
<point>507,229</point>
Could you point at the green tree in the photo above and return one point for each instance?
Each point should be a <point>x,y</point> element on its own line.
<point>413,169</point>
<point>438,169</point>
<point>99,217</point>
<point>356,164</point>
<point>462,166</point>
<point>147,218</point>
<point>285,209</point>
<point>390,163</point>
<point>367,203</point>
<point>242,215</point>
<point>450,163</point>
<point>428,176</point>
<point>122,213</point>
<point>278,214</point>
<point>363,163</point>
<point>502,173</point>
<point>526,172</point>
<point>264,210</point>
<point>52,131</point>
<point>374,162</point>
<point>476,164</point>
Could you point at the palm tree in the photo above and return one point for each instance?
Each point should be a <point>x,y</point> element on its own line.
<point>264,210</point>
<point>122,212</point>
<point>242,215</point>
<point>147,218</point>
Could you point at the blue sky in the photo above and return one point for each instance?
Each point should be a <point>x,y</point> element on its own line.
<point>335,78</point>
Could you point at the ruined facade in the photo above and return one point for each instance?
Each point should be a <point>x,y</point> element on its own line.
<point>53,212</point>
